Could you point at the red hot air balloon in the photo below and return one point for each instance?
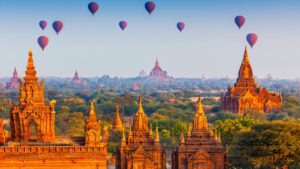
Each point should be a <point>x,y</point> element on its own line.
<point>150,6</point>
<point>239,21</point>
<point>123,25</point>
<point>57,26</point>
<point>43,24</point>
<point>180,26</point>
<point>43,41</point>
<point>93,7</point>
<point>252,38</point>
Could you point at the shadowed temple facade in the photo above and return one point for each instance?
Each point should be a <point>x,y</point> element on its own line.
<point>33,143</point>
<point>245,95</point>
<point>201,148</point>
<point>141,149</point>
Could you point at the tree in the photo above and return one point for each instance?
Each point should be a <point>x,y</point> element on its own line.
<point>269,145</point>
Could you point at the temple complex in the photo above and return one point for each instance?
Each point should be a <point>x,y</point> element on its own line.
<point>245,95</point>
<point>158,74</point>
<point>33,143</point>
<point>202,148</point>
<point>14,82</point>
<point>141,150</point>
<point>117,124</point>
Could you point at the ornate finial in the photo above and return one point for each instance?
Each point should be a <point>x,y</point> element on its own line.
<point>30,59</point>
<point>156,134</point>
<point>140,100</point>
<point>199,108</point>
<point>156,62</point>
<point>188,132</point>
<point>181,139</point>
<point>123,136</point>
<point>92,108</point>
<point>150,127</point>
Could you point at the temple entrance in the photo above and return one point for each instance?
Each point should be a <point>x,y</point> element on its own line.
<point>32,132</point>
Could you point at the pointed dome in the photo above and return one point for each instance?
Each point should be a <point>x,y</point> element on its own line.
<point>245,71</point>
<point>200,121</point>
<point>140,121</point>
<point>30,73</point>
<point>118,125</point>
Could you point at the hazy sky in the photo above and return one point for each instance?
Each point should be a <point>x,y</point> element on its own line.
<point>211,44</point>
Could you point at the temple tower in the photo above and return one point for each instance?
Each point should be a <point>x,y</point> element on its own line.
<point>141,149</point>
<point>117,124</point>
<point>14,82</point>
<point>200,149</point>
<point>92,129</point>
<point>32,113</point>
<point>245,95</point>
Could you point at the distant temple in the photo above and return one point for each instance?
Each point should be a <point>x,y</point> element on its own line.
<point>245,95</point>
<point>142,73</point>
<point>33,143</point>
<point>77,81</point>
<point>135,87</point>
<point>201,148</point>
<point>117,124</point>
<point>158,74</point>
<point>14,82</point>
<point>141,149</point>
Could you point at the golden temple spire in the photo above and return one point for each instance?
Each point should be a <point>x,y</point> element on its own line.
<point>30,73</point>
<point>181,139</point>
<point>156,134</point>
<point>123,141</point>
<point>140,121</point>
<point>150,128</point>
<point>188,132</point>
<point>200,120</point>
<point>118,125</point>
<point>92,108</point>
<point>245,71</point>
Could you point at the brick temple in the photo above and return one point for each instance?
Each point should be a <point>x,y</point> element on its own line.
<point>33,143</point>
<point>245,95</point>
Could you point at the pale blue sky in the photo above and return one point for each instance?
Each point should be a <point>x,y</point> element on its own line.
<point>211,44</point>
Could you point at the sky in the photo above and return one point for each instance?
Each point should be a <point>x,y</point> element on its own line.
<point>210,45</point>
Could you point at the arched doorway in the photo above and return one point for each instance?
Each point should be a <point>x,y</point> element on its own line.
<point>32,132</point>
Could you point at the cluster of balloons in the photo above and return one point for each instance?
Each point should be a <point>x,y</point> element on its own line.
<point>251,37</point>
<point>149,6</point>
<point>44,40</point>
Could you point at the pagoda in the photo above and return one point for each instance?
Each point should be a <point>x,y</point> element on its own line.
<point>201,148</point>
<point>32,109</point>
<point>245,95</point>
<point>117,124</point>
<point>33,143</point>
<point>76,79</point>
<point>157,74</point>
<point>14,82</point>
<point>141,149</point>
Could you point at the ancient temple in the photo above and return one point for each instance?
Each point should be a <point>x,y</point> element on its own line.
<point>77,81</point>
<point>158,74</point>
<point>33,143</point>
<point>245,95</point>
<point>202,148</point>
<point>14,82</point>
<point>117,124</point>
<point>32,110</point>
<point>141,150</point>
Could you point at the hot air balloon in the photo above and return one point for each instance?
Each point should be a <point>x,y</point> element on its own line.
<point>43,24</point>
<point>57,26</point>
<point>180,26</point>
<point>239,21</point>
<point>150,6</point>
<point>123,25</point>
<point>93,7</point>
<point>43,41</point>
<point>252,38</point>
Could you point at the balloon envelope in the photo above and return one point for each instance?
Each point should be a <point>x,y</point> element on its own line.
<point>93,7</point>
<point>57,26</point>
<point>252,38</point>
<point>123,25</point>
<point>180,26</point>
<point>150,6</point>
<point>43,24</point>
<point>43,41</point>
<point>239,21</point>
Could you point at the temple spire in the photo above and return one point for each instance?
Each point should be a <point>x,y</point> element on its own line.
<point>30,73</point>
<point>15,74</point>
<point>200,121</point>
<point>156,62</point>
<point>181,139</point>
<point>156,134</point>
<point>118,125</point>
<point>245,71</point>
<point>150,128</point>
<point>123,141</point>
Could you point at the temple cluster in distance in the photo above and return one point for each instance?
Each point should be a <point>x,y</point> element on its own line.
<point>157,74</point>
<point>245,95</point>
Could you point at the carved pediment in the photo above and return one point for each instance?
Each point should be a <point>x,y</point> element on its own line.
<point>201,154</point>
<point>140,153</point>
